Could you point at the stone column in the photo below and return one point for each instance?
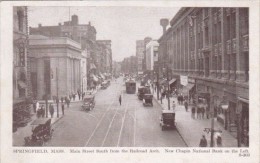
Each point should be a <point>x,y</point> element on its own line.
<point>240,61</point>
<point>195,47</point>
<point>225,63</point>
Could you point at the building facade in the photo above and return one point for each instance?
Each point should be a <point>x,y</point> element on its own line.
<point>151,54</point>
<point>146,41</point>
<point>209,49</point>
<point>129,65</point>
<point>55,66</point>
<point>140,55</point>
<point>21,66</point>
<point>106,55</point>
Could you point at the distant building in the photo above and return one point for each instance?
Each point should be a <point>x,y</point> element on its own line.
<point>140,55</point>
<point>55,66</point>
<point>82,33</point>
<point>146,41</point>
<point>129,65</point>
<point>151,54</point>
<point>106,62</point>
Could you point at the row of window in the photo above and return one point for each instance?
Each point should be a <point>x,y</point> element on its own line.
<point>196,35</point>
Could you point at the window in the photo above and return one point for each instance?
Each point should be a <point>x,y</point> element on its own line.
<point>233,25</point>
<point>20,20</point>
<point>228,28</point>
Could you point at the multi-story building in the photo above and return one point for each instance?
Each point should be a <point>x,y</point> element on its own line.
<point>21,66</point>
<point>140,55</point>
<point>151,54</point>
<point>129,65</point>
<point>146,41</point>
<point>55,66</point>
<point>116,68</point>
<point>82,33</point>
<point>207,51</point>
<point>106,62</point>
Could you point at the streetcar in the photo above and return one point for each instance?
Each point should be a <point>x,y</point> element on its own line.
<point>130,86</point>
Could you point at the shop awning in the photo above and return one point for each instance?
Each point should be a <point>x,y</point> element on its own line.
<point>172,81</point>
<point>187,88</point>
<point>94,78</point>
<point>22,84</point>
<point>102,76</point>
<point>163,81</point>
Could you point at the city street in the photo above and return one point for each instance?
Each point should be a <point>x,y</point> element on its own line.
<point>112,125</point>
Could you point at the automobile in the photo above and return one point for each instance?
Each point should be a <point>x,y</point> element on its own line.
<point>88,103</point>
<point>41,132</point>
<point>167,119</point>
<point>142,90</point>
<point>148,100</point>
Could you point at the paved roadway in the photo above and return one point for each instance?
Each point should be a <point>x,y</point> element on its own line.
<point>112,125</point>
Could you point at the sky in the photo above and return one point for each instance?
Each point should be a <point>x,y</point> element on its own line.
<point>122,25</point>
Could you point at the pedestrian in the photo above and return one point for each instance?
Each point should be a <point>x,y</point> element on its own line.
<point>198,113</point>
<point>34,106</point>
<point>193,110</point>
<point>202,112</point>
<point>207,112</point>
<point>42,111</point>
<point>79,93</point>
<point>120,99</point>
<point>62,108</point>
<point>203,141</point>
<point>83,94</point>
<point>68,102</point>
<point>181,99</point>
<point>218,139</point>
<point>51,109</point>
<point>173,106</point>
<point>178,98</point>
<point>73,96</point>
<point>186,105</point>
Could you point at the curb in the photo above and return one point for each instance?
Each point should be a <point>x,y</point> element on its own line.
<point>184,140</point>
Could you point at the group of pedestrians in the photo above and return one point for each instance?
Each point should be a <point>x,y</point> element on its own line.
<point>202,112</point>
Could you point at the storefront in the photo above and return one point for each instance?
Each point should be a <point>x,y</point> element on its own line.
<point>243,112</point>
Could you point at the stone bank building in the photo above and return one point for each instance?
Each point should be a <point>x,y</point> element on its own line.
<point>209,48</point>
<point>55,66</point>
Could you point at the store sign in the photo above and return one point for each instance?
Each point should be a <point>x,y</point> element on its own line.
<point>184,80</point>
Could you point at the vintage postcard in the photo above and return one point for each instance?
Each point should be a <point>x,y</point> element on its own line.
<point>114,81</point>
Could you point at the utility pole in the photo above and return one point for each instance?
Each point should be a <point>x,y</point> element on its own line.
<point>57,86</point>
<point>168,87</point>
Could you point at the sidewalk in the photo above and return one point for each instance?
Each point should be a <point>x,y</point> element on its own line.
<point>191,129</point>
<point>42,102</point>
<point>22,132</point>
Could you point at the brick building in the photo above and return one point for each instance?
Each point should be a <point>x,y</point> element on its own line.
<point>55,66</point>
<point>207,48</point>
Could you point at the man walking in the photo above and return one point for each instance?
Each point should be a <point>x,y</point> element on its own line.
<point>62,107</point>
<point>186,105</point>
<point>120,99</point>
<point>51,110</point>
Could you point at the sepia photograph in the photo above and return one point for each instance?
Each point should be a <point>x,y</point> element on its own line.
<point>130,81</point>
<point>130,76</point>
